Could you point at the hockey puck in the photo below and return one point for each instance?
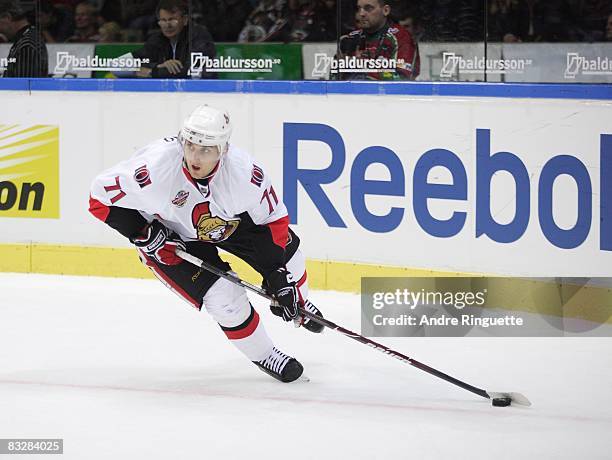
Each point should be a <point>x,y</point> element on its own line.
<point>501,402</point>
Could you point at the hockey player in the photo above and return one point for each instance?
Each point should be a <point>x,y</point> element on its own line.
<point>197,192</point>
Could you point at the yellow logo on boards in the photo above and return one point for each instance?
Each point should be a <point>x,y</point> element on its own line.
<point>29,171</point>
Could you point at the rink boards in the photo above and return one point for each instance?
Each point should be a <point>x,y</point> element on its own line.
<point>397,179</point>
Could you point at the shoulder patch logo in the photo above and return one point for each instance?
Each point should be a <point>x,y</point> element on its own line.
<point>180,199</point>
<point>257,176</point>
<point>142,176</point>
<point>210,228</point>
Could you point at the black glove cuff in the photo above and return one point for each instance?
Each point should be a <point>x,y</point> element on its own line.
<point>279,279</point>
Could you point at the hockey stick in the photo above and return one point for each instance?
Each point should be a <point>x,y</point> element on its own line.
<point>498,398</point>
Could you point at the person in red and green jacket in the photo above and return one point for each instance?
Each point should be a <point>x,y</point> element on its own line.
<point>379,37</point>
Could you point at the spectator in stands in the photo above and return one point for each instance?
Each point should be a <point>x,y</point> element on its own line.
<point>407,22</point>
<point>169,51</point>
<point>110,32</point>
<point>256,28</point>
<point>28,54</point>
<point>311,20</point>
<point>303,23</point>
<point>406,16</point>
<point>267,22</point>
<point>86,24</point>
<point>56,24</point>
<point>380,37</point>
<point>609,29</point>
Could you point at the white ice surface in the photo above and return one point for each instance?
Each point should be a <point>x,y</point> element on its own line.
<point>123,369</point>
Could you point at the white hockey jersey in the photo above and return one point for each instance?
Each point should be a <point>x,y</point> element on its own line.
<point>237,208</point>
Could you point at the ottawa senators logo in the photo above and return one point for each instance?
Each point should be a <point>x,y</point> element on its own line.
<point>142,176</point>
<point>211,228</point>
<point>257,176</point>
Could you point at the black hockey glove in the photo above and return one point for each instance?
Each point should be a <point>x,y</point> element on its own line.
<point>158,242</point>
<point>281,285</point>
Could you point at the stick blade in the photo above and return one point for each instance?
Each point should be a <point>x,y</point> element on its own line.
<point>517,398</point>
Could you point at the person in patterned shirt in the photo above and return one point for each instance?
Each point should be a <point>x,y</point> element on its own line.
<point>379,37</point>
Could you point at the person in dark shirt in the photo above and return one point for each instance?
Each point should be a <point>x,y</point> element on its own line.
<point>169,51</point>
<point>28,55</point>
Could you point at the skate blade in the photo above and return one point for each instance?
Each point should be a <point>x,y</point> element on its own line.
<point>303,378</point>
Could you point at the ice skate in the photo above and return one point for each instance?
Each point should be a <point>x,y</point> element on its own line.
<point>281,366</point>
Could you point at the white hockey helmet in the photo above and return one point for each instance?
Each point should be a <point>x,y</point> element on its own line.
<point>207,126</point>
